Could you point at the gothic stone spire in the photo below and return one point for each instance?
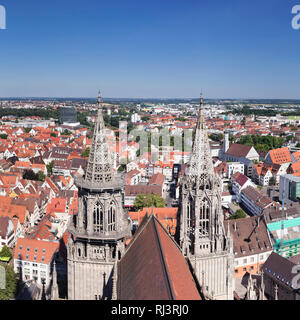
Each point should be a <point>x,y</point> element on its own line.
<point>100,164</point>
<point>101,225</point>
<point>54,289</point>
<point>201,161</point>
<point>202,234</point>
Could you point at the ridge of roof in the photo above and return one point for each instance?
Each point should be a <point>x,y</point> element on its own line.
<point>142,226</point>
<point>162,256</point>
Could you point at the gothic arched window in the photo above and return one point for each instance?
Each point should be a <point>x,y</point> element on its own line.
<point>204,218</point>
<point>111,225</point>
<point>98,218</point>
<point>190,215</point>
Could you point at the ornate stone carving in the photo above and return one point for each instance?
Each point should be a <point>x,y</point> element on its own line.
<point>202,236</point>
<point>100,213</point>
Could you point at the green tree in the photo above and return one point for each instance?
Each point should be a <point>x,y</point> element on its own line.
<point>145,118</point>
<point>293,128</point>
<point>158,201</point>
<point>10,283</point>
<point>41,176</point>
<point>86,153</point>
<point>45,113</point>
<point>122,167</point>
<point>289,138</point>
<point>216,137</point>
<point>81,118</point>
<point>5,252</point>
<point>3,136</point>
<point>52,134</point>
<point>67,132</point>
<point>262,143</point>
<point>148,200</point>
<point>272,181</point>
<point>50,167</point>
<point>232,138</point>
<point>29,175</point>
<point>238,215</point>
<point>182,119</point>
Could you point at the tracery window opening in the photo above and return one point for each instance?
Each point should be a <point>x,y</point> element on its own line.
<point>98,218</point>
<point>190,216</point>
<point>204,219</point>
<point>111,218</point>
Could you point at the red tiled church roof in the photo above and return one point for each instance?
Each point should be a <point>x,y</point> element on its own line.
<point>153,267</point>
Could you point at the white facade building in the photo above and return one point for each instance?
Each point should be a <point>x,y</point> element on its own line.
<point>233,167</point>
<point>135,118</point>
<point>33,259</point>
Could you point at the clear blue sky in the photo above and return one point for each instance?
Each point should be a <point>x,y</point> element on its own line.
<point>143,48</point>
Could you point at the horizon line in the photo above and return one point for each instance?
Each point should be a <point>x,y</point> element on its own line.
<point>139,98</point>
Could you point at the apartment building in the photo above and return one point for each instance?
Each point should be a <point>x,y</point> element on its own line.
<point>33,259</point>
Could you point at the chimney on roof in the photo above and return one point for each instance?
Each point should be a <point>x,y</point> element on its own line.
<point>234,225</point>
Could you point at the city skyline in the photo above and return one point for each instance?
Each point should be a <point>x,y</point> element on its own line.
<point>150,50</point>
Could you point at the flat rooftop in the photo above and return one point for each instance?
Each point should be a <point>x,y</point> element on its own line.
<point>291,229</point>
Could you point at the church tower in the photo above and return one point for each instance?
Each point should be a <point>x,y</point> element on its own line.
<point>202,236</point>
<point>98,231</point>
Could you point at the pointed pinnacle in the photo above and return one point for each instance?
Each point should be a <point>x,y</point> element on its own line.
<point>99,98</point>
<point>228,229</point>
<point>200,120</point>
